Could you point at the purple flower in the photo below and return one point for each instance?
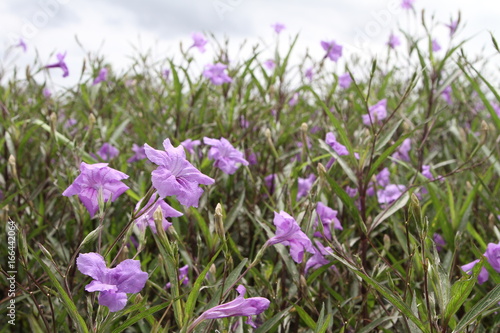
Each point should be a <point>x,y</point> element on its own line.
<point>305,185</point>
<point>435,45</point>
<point>327,217</point>
<point>22,45</point>
<point>270,64</point>
<point>216,74</point>
<point>493,256</point>
<point>318,259</point>
<point>294,100</point>
<point>238,307</point>
<point>402,152</point>
<point>175,175</point>
<point>70,123</point>
<point>333,50</point>
<point>439,241</point>
<point>146,213</point>
<point>166,74</point>
<point>339,148</point>
<point>60,64</point>
<point>269,181</point>
<point>453,27</point>
<point>288,233</point>
<point>46,93</point>
<point>189,145</point>
<point>407,4</point>
<point>376,113</point>
<point>224,155</point>
<point>244,123</point>
<point>278,27</point>
<point>107,152</point>
<point>393,41</point>
<point>183,276</point>
<point>113,283</point>
<point>383,177</point>
<point>446,94</point>
<point>426,172</point>
<point>103,76</point>
<point>390,193</point>
<point>309,73</point>
<point>199,41</point>
<point>345,80</point>
<point>351,191</point>
<point>139,153</point>
<point>94,178</point>
<point>483,275</point>
<point>251,157</point>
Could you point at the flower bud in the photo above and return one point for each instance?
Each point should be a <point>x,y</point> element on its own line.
<point>219,223</point>
<point>13,169</point>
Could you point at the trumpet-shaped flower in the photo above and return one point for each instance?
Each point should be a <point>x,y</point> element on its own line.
<point>446,94</point>
<point>390,193</point>
<point>345,80</point>
<point>22,45</point>
<point>305,185</point>
<point>288,233</point>
<point>435,45</point>
<point>103,76</point>
<point>107,152</point>
<point>339,148</point>
<point>175,175</point>
<point>327,217</point>
<point>483,274</point>
<point>270,64</point>
<point>225,155</point>
<point>393,41</point>
<point>95,178</point>
<point>183,277</point>
<point>407,4</point>
<point>139,153</point>
<point>216,73</point>
<point>189,145</point>
<point>493,255</point>
<point>402,153</point>
<point>318,259</point>
<point>113,283</point>
<point>453,27</point>
<point>278,27</point>
<point>147,212</point>
<point>238,307</point>
<point>60,64</point>
<point>333,50</point>
<point>309,73</point>
<point>439,241</point>
<point>376,113</point>
<point>199,41</point>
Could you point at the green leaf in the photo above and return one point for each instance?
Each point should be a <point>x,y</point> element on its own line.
<point>195,291</point>
<point>393,208</point>
<point>492,298</point>
<point>141,315</point>
<point>78,320</point>
<point>460,290</point>
<point>305,317</point>
<point>268,325</point>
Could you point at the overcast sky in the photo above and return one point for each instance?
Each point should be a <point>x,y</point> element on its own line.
<point>114,27</point>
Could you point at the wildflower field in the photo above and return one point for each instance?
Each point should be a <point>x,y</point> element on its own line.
<point>256,194</point>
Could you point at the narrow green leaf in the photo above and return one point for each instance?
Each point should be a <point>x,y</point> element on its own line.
<point>268,325</point>
<point>305,317</point>
<point>491,299</point>
<point>141,315</point>
<point>78,320</point>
